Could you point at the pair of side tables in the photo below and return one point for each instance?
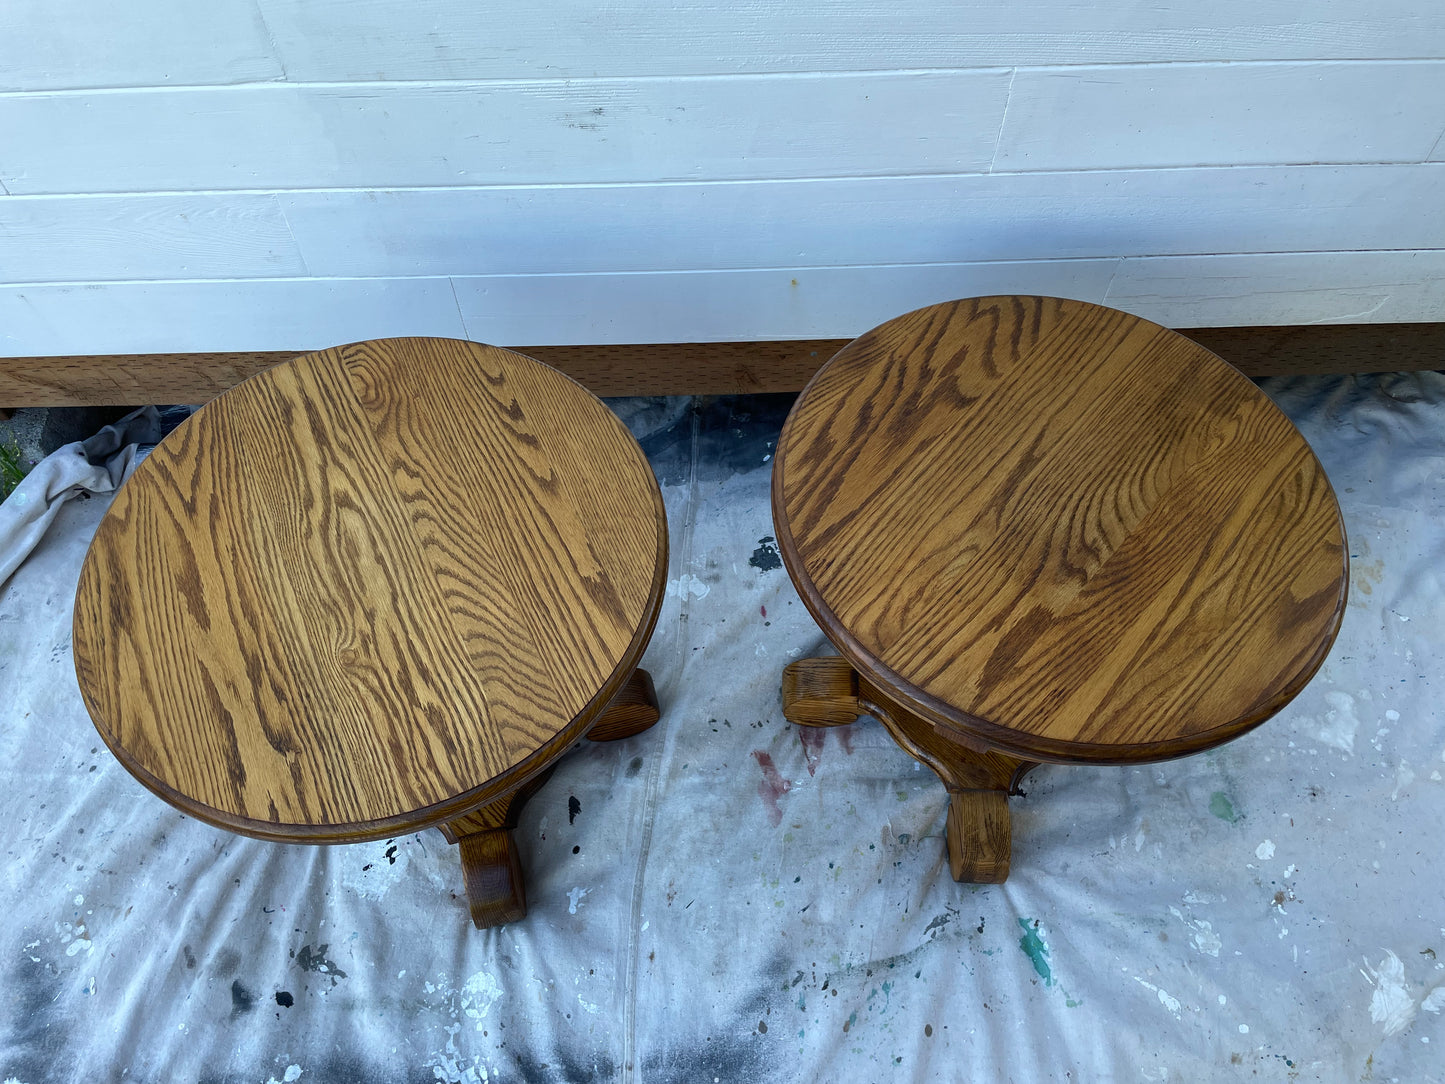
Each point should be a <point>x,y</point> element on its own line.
<point>386,586</point>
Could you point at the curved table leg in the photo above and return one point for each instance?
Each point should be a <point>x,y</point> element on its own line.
<point>829,692</point>
<point>491,865</point>
<point>632,710</point>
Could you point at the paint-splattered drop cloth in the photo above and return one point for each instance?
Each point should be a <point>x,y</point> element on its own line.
<point>727,898</point>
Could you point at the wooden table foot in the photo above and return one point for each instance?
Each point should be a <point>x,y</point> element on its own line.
<point>491,865</point>
<point>979,842</point>
<point>820,692</point>
<point>632,710</point>
<point>496,892</point>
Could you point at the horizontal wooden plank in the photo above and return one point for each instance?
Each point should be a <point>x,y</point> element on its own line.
<point>276,136</point>
<point>681,306</point>
<point>63,44</point>
<point>1199,115</point>
<point>257,314</point>
<point>692,368</point>
<point>720,225</point>
<point>104,238</point>
<point>343,40</point>
<point>791,303</point>
<point>867,220</point>
<point>1342,287</point>
<point>59,44</point>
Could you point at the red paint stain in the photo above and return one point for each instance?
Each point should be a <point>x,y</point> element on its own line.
<point>812,738</point>
<point>763,610</point>
<point>773,787</point>
<point>845,738</point>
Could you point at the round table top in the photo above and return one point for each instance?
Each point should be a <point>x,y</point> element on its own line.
<point>370,589</point>
<point>1065,532</point>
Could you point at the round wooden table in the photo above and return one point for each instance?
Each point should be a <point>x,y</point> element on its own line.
<point>1043,530</point>
<point>375,589</point>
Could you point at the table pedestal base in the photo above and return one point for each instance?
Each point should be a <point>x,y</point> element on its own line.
<point>496,893</point>
<point>829,692</point>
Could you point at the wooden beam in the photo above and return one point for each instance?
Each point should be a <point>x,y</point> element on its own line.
<point>692,368</point>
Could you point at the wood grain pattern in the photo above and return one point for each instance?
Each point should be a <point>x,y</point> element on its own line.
<point>693,368</point>
<point>980,846</point>
<point>370,589</point>
<point>1060,530</point>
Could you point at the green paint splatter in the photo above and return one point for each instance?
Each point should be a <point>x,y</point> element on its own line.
<point>1034,948</point>
<point>1222,807</point>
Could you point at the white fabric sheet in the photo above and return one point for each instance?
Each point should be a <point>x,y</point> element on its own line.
<point>729,899</point>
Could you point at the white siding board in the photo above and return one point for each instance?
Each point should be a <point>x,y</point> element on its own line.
<point>62,44</point>
<point>868,221</point>
<point>1193,115</point>
<point>1283,288</point>
<point>723,306</point>
<point>98,238</point>
<point>345,40</point>
<point>1189,291</point>
<point>141,318</point>
<point>275,137</point>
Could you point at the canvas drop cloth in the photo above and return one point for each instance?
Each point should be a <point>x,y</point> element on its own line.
<point>726,898</point>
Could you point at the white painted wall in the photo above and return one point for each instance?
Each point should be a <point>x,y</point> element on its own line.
<point>270,174</point>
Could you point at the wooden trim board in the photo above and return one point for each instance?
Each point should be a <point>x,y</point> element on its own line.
<point>693,368</point>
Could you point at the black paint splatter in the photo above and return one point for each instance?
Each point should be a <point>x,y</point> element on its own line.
<point>573,808</point>
<point>390,855</point>
<point>242,1000</point>
<point>284,999</point>
<point>765,558</point>
<point>316,961</point>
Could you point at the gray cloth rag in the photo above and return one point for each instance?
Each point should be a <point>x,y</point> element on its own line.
<point>98,464</point>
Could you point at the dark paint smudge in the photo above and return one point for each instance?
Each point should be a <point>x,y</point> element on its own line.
<point>773,786</point>
<point>765,558</point>
<point>242,1000</point>
<point>316,961</point>
<point>718,437</point>
<point>284,999</point>
<point>634,767</point>
<point>812,738</point>
<point>573,808</point>
<point>190,957</point>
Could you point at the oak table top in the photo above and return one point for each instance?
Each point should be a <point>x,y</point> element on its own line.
<point>370,590</point>
<point>1059,531</point>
